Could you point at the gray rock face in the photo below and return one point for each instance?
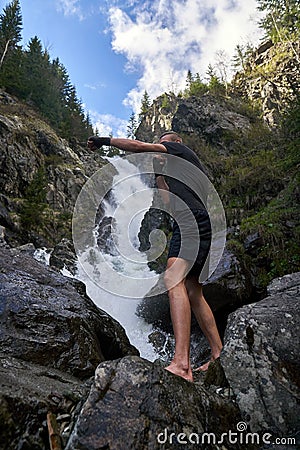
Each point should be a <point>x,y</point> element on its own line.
<point>34,159</point>
<point>134,404</point>
<point>28,392</point>
<point>63,256</point>
<point>261,358</point>
<point>52,337</point>
<point>49,320</point>
<point>206,116</point>
<point>282,83</point>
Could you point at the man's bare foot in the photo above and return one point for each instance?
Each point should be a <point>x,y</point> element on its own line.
<point>181,372</point>
<point>204,366</point>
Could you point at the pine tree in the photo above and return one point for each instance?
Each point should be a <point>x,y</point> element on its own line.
<point>36,71</point>
<point>32,76</point>
<point>10,28</point>
<point>194,85</point>
<point>214,84</point>
<point>132,126</point>
<point>282,20</point>
<point>189,80</point>
<point>145,105</point>
<point>240,57</point>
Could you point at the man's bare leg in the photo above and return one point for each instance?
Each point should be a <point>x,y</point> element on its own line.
<point>205,318</point>
<point>180,309</point>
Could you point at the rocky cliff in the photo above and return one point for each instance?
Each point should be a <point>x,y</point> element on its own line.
<point>41,176</point>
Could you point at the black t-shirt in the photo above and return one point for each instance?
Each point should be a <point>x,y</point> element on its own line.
<point>186,180</point>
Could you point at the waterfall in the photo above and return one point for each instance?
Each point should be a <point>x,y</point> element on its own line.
<point>122,212</point>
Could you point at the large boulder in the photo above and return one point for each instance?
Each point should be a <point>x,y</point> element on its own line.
<point>209,117</point>
<point>52,337</point>
<point>135,404</point>
<point>261,358</point>
<point>29,394</point>
<point>49,320</point>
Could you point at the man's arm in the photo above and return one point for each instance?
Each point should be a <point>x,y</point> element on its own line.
<point>128,145</point>
<point>132,145</point>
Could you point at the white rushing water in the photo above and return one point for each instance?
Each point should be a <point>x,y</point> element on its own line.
<point>128,202</point>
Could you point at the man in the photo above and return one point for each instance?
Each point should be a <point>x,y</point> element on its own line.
<point>186,257</point>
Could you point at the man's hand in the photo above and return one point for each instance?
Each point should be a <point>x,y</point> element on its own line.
<point>95,142</point>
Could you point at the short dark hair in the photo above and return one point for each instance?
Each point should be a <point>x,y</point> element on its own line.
<point>176,135</point>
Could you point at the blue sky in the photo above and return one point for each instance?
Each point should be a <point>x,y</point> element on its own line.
<point>115,50</point>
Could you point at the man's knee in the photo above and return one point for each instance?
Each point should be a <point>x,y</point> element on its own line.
<point>170,280</point>
<point>175,273</point>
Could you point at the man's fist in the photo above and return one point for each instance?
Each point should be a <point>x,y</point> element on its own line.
<point>97,142</point>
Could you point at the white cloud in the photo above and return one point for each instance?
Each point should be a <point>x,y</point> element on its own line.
<point>70,8</point>
<point>96,86</point>
<point>107,124</point>
<point>163,39</point>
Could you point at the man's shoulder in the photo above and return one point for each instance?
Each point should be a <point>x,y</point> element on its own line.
<point>177,148</point>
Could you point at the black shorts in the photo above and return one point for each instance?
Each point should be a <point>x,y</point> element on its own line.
<point>195,245</point>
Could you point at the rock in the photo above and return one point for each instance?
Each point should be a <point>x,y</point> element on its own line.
<point>264,46</point>
<point>163,344</point>
<point>206,116</point>
<point>49,320</point>
<point>106,236</point>
<point>156,311</point>
<point>6,99</point>
<point>35,160</point>
<point>261,359</point>
<point>5,219</point>
<point>253,243</point>
<point>63,256</point>
<point>209,118</point>
<point>278,90</point>
<point>281,284</point>
<point>229,286</point>
<point>28,393</point>
<point>26,248</point>
<point>135,404</point>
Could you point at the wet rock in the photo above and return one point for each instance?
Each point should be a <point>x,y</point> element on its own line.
<point>253,243</point>
<point>106,236</point>
<point>49,320</point>
<point>261,358</point>
<point>135,404</point>
<point>155,310</point>
<point>28,392</point>
<point>229,286</point>
<point>163,344</point>
<point>63,256</point>
<point>281,284</point>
